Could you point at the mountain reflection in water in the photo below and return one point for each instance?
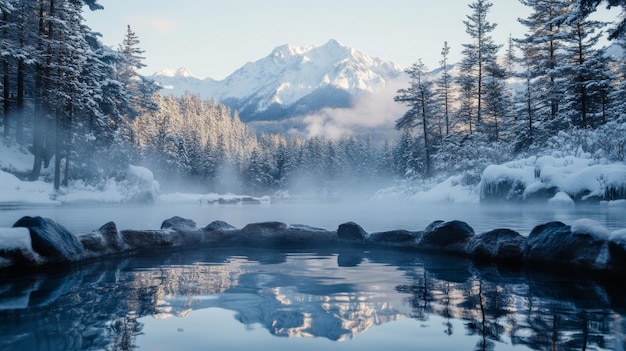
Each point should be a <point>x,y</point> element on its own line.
<point>334,294</point>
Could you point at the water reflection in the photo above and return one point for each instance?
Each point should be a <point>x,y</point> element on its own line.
<point>337,295</point>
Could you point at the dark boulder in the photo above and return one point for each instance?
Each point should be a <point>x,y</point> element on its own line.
<point>264,228</point>
<point>111,236</point>
<point>555,243</point>
<point>394,237</point>
<point>451,235</point>
<point>352,232</point>
<point>51,240</point>
<point>147,239</point>
<point>499,244</point>
<point>218,226</point>
<point>178,223</point>
<point>102,241</point>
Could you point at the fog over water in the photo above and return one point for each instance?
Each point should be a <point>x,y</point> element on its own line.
<point>372,215</point>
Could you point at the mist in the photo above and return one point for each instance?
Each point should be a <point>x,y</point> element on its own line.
<point>372,113</point>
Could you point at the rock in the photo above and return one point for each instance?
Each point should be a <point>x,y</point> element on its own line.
<point>51,240</point>
<point>264,228</point>
<point>178,223</point>
<point>278,233</point>
<point>554,243</point>
<point>93,242</point>
<point>218,226</point>
<point>147,239</point>
<point>450,235</point>
<point>394,237</point>
<point>499,244</point>
<point>351,231</point>
<point>103,241</point>
<point>112,236</point>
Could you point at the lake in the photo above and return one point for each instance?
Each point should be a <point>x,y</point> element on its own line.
<point>309,299</point>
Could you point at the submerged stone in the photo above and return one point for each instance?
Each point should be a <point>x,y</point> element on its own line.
<point>51,240</point>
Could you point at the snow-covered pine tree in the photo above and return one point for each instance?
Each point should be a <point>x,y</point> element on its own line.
<point>586,73</point>
<point>444,88</point>
<point>419,97</point>
<point>139,89</point>
<point>583,8</point>
<point>480,55</point>
<point>543,54</point>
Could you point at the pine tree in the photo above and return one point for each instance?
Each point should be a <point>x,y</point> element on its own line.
<point>587,75</point>
<point>139,89</point>
<point>419,98</point>
<point>544,54</point>
<point>479,56</point>
<point>444,87</point>
<point>584,8</point>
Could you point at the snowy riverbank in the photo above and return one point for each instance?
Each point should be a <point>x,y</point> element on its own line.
<point>555,180</point>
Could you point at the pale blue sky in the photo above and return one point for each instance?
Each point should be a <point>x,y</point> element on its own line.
<point>214,38</point>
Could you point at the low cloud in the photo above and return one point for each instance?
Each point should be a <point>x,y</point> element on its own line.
<point>375,112</point>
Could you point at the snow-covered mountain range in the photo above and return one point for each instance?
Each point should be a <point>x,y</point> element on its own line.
<point>290,81</point>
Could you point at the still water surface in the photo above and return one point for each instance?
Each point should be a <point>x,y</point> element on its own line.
<point>309,299</point>
<point>325,299</point>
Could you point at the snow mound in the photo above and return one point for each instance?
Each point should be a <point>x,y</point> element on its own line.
<point>561,199</point>
<point>138,186</point>
<point>580,178</point>
<point>18,193</point>
<point>449,191</point>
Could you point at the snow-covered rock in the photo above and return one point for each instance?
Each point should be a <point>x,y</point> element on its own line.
<point>51,240</point>
<point>16,248</point>
<point>549,177</point>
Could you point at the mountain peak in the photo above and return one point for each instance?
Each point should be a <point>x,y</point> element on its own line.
<point>294,79</point>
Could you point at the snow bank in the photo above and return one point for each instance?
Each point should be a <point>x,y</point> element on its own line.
<point>139,186</point>
<point>14,192</point>
<point>15,159</point>
<point>577,177</point>
<point>449,191</point>
<point>16,242</point>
